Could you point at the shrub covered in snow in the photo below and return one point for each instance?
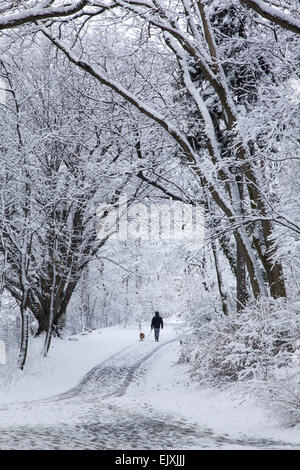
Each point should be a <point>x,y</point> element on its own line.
<point>281,397</point>
<point>253,344</point>
<point>259,347</point>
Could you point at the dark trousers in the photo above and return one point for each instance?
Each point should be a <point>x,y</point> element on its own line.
<point>156,333</point>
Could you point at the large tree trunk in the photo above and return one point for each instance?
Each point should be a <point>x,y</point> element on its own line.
<point>254,272</point>
<point>24,334</point>
<point>273,268</point>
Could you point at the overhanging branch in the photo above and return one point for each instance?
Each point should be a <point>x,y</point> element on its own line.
<point>31,15</point>
<point>276,16</point>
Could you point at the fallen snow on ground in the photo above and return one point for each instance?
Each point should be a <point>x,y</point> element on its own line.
<point>68,361</point>
<point>166,386</point>
<point>135,387</point>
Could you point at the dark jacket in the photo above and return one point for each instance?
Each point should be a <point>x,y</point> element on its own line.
<point>157,322</point>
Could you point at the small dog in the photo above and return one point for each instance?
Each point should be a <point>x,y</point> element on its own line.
<point>142,336</point>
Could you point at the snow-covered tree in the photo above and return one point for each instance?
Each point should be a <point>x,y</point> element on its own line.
<point>191,34</point>
<point>58,165</point>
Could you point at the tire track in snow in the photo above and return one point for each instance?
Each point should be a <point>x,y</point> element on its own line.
<point>89,416</point>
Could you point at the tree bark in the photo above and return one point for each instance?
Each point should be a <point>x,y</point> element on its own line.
<point>220,281</point>
<point>24,335</point>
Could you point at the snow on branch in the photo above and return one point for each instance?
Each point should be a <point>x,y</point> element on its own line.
<point>121,91</point>
<point>276,16</point>
<point>42,12</point>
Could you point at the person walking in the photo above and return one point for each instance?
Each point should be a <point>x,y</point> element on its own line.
<point>157,323</point>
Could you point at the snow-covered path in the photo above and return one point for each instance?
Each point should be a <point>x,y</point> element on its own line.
<point>120,404</point>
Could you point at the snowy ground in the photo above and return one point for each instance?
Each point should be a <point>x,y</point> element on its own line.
<point>108,390</point>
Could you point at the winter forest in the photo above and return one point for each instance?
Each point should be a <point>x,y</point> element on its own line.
<point>149,161</point>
